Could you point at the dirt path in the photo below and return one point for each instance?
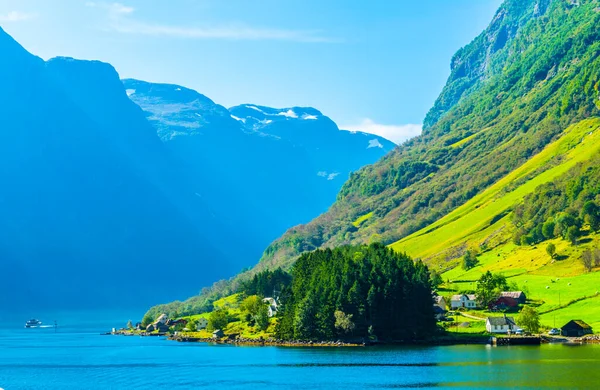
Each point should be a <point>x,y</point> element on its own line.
<point>471,316</point>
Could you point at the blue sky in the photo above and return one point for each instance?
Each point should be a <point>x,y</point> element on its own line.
<point>373,65</point>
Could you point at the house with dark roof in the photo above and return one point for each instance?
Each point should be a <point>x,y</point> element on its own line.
<point>439,301</point>
<point>503,303</point>
<point>500,324</point>
<point>576,328</point>
<point>201,323</point>
<point>518,295</point>
<point>439,312</point>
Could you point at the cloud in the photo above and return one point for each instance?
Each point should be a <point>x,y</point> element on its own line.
<point>113,9</point>
<point>16,16</point>
<point>121,21</point>
<point>394,133</point>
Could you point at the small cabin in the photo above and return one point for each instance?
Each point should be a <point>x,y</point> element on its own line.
<point>440,302</point>
<point>518,295</point>
<point>576,328</point>
<point>201,323</point>
<point>500,324</point>
<point>162,328</point>
<point>217,334</point>
<point>439,313</point>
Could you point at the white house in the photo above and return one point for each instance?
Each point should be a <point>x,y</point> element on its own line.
<point>162,319</point>
<point>440,302</point>
<point>500,324</point>
<point>201,323</point>
<point>272,306</point>
<point>468,301</point>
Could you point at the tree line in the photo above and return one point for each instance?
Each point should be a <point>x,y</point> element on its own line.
<point>562,207</point>
<point>357,292</point>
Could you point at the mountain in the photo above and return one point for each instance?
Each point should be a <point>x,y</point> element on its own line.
<point>269,168</point>
<point>106,204</point>
<point>519,113</point>
<point>93,207</point>
<point>511,92</point>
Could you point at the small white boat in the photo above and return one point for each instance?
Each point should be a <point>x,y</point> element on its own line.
<point>33,323</point>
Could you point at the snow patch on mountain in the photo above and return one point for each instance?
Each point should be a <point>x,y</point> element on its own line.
<point>130,92</point>
<point>243,120</point>
<point>374,143</point>
<point>257,109</point>
<point>289,114</point>
<point>310,117</point>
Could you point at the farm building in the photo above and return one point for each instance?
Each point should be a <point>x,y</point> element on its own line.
<point>518,295</point>
<point>503,303</point>
<point>500,324</point>
<point>576,328</point>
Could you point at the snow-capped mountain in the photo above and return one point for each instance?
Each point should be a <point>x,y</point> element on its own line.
<point>269,168</point>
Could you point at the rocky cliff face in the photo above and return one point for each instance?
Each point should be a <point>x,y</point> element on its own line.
<point>486,55</point>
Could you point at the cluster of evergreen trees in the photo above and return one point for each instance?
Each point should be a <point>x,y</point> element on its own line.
<point>266,283</point>
<point>360,291</point>
<point>562,207</point>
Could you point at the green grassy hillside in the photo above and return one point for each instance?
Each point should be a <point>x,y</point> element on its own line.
<point>484,220</point>
<point>513,91</point>
<point>520,109</point>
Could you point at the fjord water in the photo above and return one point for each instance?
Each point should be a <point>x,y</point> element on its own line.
<point>82,359</point>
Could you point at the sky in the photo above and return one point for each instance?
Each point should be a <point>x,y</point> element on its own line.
<point>375,66</point>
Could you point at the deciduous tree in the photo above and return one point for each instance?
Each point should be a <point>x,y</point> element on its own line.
<point>551,249</point>
<point>529,319</point>
<point>587,259</point>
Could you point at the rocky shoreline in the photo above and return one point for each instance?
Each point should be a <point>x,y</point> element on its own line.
<point>264,342</point>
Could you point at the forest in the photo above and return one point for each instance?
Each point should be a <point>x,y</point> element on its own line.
<point>562,207</point>
<point>356,292</point>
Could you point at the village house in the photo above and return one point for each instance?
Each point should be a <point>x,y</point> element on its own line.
<point>217,334</point>
<point>272,306</point>
<point>468,301</point>
<point>500,324</point>
<point>518,295</point>
<point>439,313</point>
<point>180,321</point>
<point>576,328</point>
<point>201,323</point>
<point>162,327</point>
<point>503,303</point>
<point>162,319</point>
<point>439,301</point>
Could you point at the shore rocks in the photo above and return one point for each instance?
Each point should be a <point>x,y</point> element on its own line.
<point>265,342</point>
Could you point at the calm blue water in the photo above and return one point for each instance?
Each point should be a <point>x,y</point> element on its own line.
<point>71,359</point>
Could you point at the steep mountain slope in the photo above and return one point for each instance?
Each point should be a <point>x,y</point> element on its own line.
<point>81,224</point>
<point>512,91</point>
<point>519,109</point>
<point>269,168</point>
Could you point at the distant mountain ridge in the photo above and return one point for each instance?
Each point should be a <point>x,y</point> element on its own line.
<point>106,204</point>
<point>290,162</point>
<point>85,221</point>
